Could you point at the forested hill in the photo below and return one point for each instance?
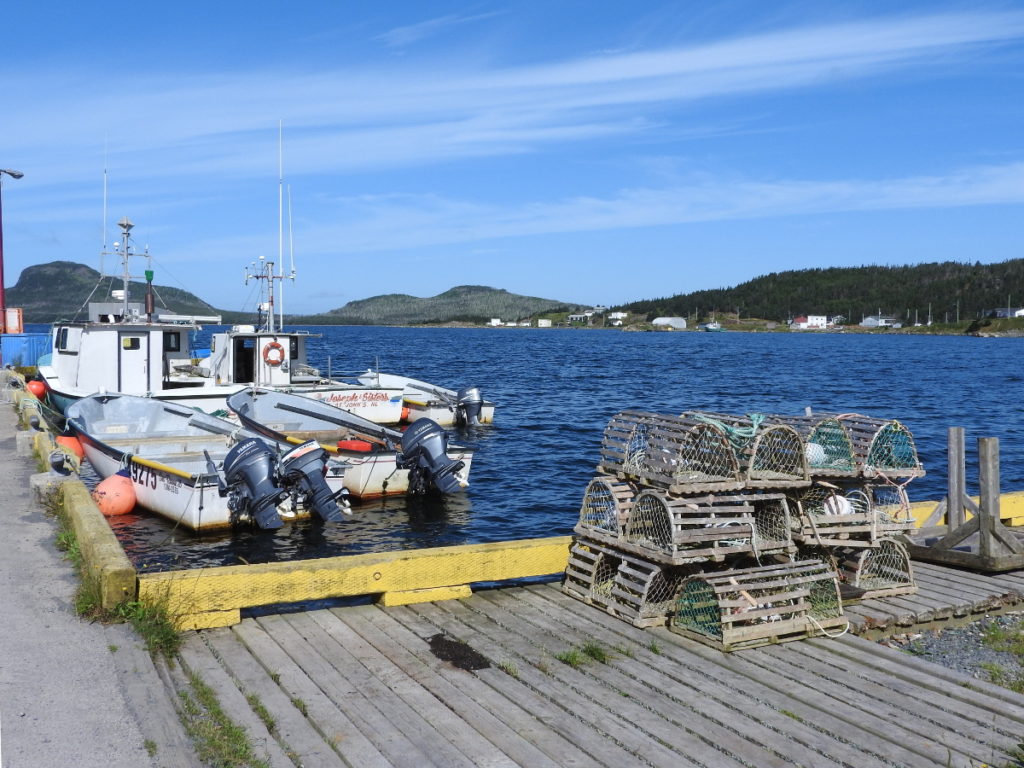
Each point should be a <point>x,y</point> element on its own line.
<point>59,289</point>
<point>949,287</point>
<point>468,303</point>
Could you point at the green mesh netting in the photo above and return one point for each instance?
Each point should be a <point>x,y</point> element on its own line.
<point>697,609</point>
<point>605,568</point>
<point>778,455</point>
<point>824,600</point>
<point>828,446</point>
<point>892,448</point>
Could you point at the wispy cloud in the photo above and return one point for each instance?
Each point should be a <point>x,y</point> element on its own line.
<point>414,33</point>
<point>416,114</point>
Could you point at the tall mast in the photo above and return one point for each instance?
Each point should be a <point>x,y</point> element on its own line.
<point>280,214</point>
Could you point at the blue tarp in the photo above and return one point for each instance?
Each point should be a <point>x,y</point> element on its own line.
<point>23,349</point>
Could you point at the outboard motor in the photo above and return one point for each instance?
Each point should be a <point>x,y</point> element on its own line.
<point>303,469</point>
<point>468,404</point>
<point>425,453</point>
<point>249,474</point>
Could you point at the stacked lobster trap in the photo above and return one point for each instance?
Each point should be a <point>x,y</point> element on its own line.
<point>736,530</point>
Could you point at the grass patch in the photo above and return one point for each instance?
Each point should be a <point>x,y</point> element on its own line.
<point>150,747</point>
<point>573,657</point>
<point>153,623</point>
<point>261,712</point>
<point>596,651</point>
<point>1009,639</point>
<point>654,648</point>
<point>219,741</point>
<point>509,668</point>
<point>300,705</point>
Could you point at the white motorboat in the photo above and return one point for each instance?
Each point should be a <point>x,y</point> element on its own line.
<point>380,461</point>
<point>203,472</point>
<point>422,400</point>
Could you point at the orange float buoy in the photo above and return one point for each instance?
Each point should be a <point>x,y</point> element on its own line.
<point>115,495</point>
<point>405,413</point>
<point>71,443</point>
<point>37,388</point>
<point>361,446</point>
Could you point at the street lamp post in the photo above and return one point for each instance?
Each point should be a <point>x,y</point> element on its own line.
<point>3,302</point>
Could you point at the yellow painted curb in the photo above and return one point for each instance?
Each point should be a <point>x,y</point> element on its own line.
<point>102,555</point>
<point>410,596</point>
<point>198,597</point>
<point>1011,509</point>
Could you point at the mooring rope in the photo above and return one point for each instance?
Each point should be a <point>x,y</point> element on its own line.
<point>739,437</point>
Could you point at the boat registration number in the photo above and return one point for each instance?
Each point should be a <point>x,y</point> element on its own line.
<point>144,476</point>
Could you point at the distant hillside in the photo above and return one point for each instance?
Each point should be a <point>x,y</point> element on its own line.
<point>56,291</point>
<point>949,287</point>
<point>467,303</point>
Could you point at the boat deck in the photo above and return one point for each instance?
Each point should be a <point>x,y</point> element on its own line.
<point>486,681</point>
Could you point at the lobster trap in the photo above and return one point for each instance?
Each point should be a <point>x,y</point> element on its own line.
<point>606,506</point>
<point>748,607</point>
<point>629,587</point>
<point>768,455</point>
<point>669,452</point>
<point>831,516</point>
<point>882,571</point>
<point>882,447</point>
<point>826,442</point>
<point>674,530</point>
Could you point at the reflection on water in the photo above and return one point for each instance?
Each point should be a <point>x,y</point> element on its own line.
<point>557,389</point>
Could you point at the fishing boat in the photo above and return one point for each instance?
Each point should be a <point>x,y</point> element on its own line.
<point>422,400</point>
<point>129,348</point>
<point>380,461</point>
<point>202,472</point>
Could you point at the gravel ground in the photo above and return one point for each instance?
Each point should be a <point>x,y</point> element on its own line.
<point>964,649</point>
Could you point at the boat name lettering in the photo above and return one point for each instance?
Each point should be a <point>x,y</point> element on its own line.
<point>171,484</point>
<point>357,397</point>
<point>143,475</point>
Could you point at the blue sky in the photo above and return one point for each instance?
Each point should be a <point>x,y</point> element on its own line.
<point>595,152</point>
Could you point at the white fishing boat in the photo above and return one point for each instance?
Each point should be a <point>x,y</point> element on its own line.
<point>380,461</point>
<point>422,400</point>
<point>202,472</point>
<point>127,347</point>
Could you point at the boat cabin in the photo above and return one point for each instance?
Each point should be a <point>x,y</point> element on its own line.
<point>265,358</point>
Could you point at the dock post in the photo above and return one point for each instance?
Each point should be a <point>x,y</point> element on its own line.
<point>955,516</point>
<point>988,479</point>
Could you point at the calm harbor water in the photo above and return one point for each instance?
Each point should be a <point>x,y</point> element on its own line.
<point>556,390</point>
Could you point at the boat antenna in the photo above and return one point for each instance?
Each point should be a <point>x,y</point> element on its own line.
<point>280,215</point>
<point>103,224</point>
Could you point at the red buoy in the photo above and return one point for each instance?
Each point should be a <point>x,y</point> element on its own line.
<point>37,388</point>
<point>405,413</point>
<point>72,444</point>
<point>360,446</point>
<point>115,495</point>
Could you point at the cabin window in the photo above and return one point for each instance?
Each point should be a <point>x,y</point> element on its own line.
<point>293,349</point>
<point>172,342</point>
<point>131,342</point>
<point>62,339</point>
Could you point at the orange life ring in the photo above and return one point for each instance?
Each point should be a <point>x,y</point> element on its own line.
<point>273,354</point>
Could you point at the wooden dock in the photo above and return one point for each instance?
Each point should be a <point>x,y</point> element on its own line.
<point>479,682</point>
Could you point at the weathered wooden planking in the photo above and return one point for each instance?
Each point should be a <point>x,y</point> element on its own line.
<point>482,708</point>
<point>578,716</point>
<point>197,659</point>
<point>330,691</point>
<point>878,741</point>
<point>295,731</point>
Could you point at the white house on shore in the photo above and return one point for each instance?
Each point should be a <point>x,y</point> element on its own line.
<point>543,323</point>
<point>670,323</point>
<point>809,323</point>
<point>879,321</point>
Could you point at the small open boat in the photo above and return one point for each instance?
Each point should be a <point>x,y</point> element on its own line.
<point>380,461</point>
<point>203,472</point>
<point>422,400</point>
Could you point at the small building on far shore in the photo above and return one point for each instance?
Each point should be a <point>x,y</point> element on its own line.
<point>879,321</point>
<point>543,323</point>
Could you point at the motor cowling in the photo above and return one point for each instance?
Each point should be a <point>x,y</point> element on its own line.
<point>303,469</point>
<point>468,402</point>
<point>425,454</point>
<point>249,475</point>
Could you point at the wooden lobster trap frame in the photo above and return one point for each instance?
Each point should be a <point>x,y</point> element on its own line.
<point>827,444</point>
<point>768,455</point>
<point>748,607</point>
<point>883,447</point>
<point>606,506</point>
<point>882,571</point>
<point>679,530</point>
<point>668,452</point>
<point>624,585</point>
<point>831,516</point>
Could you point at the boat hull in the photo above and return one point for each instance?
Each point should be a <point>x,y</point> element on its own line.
<point>422,400</point>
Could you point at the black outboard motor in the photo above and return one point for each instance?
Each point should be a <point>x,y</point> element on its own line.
<point>303,468</point>
<point>425,454</point>
<point>468,404</point>
<point>249,474</point>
